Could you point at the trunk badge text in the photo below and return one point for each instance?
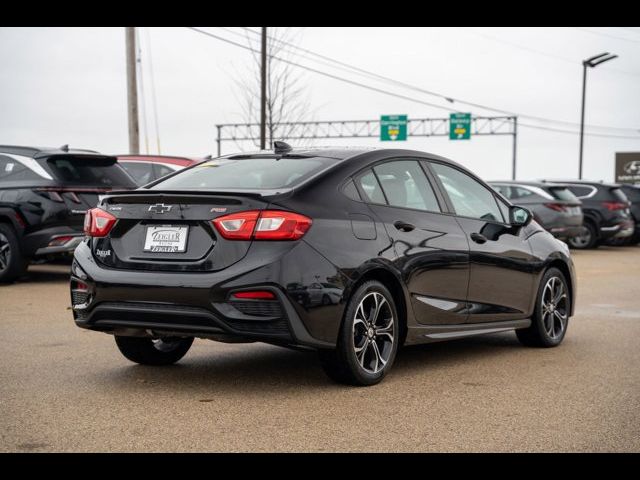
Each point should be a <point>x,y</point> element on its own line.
<point>160,208</point>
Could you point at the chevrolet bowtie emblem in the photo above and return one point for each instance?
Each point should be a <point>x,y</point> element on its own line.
<point>159,208</point>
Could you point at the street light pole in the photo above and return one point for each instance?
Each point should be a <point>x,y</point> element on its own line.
<point>589,62</point>
<point>584,88</point>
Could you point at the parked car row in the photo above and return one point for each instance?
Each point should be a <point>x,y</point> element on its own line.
<point>585,214</point>
<point>45,193</point>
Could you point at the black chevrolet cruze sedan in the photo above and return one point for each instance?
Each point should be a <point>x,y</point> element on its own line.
<point>353,253</point>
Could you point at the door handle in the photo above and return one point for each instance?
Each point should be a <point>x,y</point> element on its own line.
<point>478,238</point>
<point>404,226</point>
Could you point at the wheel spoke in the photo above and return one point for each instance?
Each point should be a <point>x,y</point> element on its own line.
<point>361,352</point>
<point>560,319</point>
<point>379,359</point>
<point>373,334</point>
<point>4,247</point>
<point>389,335</point>
<point>548,323</point>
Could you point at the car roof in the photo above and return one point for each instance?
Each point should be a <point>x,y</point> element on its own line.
<point>529,183</point>
<point>592,183</point>
<point>161,159</point>
<point>340,153</point>
<point>34,152</point>
<point>337,153</point>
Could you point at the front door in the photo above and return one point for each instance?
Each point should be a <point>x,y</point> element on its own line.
<point>501,279</point>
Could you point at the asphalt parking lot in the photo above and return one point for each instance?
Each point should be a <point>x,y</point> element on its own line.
<point>66,389</point>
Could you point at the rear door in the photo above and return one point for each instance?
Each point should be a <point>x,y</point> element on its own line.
<point>501,277</point>
<point>431,249</point>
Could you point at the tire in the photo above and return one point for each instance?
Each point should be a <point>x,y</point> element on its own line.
<point>148,351</point>
<point>588,240</point>
<point>12,263</point>
<point>367,344</point>
<point>548,324</point>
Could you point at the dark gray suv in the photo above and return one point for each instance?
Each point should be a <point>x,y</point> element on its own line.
<point>606,212</point>
<point>44,194</point>
<point>553,206</point>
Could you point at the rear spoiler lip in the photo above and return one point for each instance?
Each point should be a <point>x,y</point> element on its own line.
<point>168,193</point>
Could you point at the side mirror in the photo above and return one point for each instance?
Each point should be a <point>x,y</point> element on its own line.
<point>519,216</point>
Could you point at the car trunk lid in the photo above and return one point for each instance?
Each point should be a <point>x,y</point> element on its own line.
<point>172,231</point>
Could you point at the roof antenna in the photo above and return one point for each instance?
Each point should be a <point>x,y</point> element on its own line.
<point>281,148</point>
<point>65,148</point>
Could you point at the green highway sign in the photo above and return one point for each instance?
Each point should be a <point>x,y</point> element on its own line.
<point>393,128</point>
<point>460,126</point>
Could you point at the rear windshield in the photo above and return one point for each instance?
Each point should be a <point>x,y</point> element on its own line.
<point>619,194</point>
<point>632,193</point>
<point>248,173</point>
<point>89,171</point>
<point>563,193</point>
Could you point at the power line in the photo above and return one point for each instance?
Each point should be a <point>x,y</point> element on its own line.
<point>368,87</point>
<point>559,130</point>
<point>325,74</point>
<point>367,73</point>
<point>546,54</point>
<point>602,34</point>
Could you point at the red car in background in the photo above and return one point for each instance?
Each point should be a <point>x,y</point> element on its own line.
<point>147,168</point>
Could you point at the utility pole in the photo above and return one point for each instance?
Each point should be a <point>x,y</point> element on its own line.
<point>263,91</point>
<point>132,91</point>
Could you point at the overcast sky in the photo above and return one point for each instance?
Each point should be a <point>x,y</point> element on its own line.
<point>67,85</point>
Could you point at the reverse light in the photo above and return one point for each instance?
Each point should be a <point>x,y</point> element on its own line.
<point>263,225</point>
<point>254,295</point>
<point>98,223</point>
<point>612,206</point>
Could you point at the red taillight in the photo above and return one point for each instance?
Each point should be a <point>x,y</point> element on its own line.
<point>611,206</point>
<point>254,295</point>
<point>237,226</point>
<point>98,223</point>
<point>263,225</point>
<point>558,207</point>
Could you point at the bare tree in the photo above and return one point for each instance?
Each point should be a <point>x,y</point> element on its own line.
<point>287,97</point>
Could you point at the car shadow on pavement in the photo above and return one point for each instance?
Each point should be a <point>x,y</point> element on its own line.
<point>262,368</point>
<point>47,273</point>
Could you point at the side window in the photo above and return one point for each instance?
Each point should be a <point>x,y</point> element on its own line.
<point>350,190</point>
<point>504,190</point>
<point>160,171</point>
<point>504,208</point>
<point>469,197</point>
<point>580,191</point>
<point>12,170</point>
<point>141,172</point>
<point>405,185</point>
<point>371,188</point>
<point>523,192</point>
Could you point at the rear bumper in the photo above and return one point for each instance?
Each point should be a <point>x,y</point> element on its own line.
<point>619,230</point>
<point>199,304</point>
<point>564,232</point>
<point>51,241</point>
